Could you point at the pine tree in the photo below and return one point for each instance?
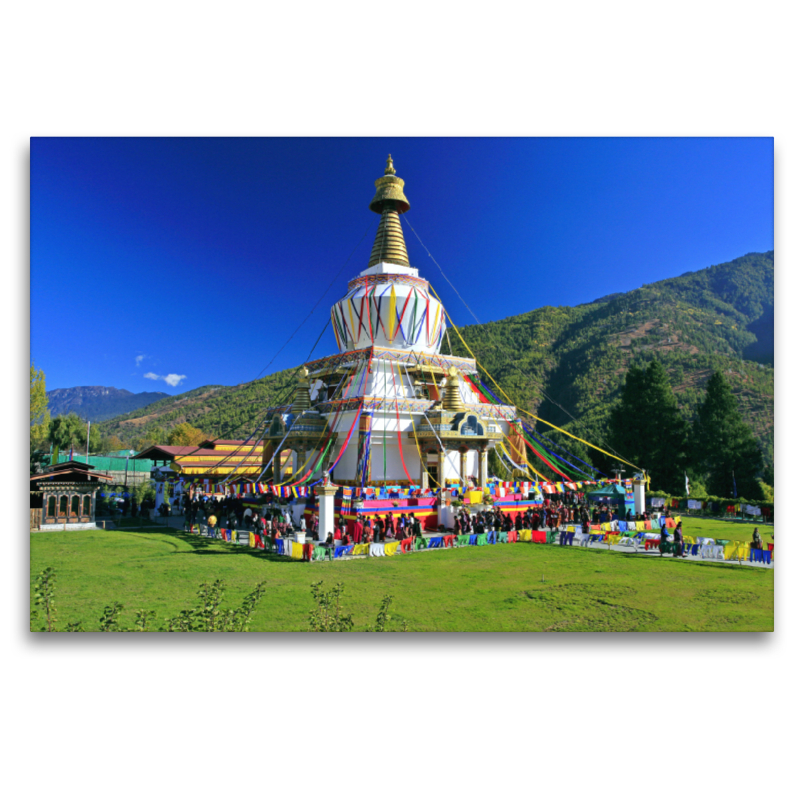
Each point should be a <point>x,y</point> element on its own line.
<point>647,428</point>
<point>724,446</point>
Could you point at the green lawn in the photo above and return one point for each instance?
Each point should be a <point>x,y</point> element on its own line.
<point>516,587</point>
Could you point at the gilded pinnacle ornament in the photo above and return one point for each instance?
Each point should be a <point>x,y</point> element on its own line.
<point>302,398</point>
<point>452,394</point>
<point>389,202</point>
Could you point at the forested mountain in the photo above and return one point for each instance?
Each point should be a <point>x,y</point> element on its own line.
<point>566,364</point>
<point>226,412</point>
<point>96,403</point>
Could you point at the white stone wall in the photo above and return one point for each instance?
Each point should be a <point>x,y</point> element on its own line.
<point>70,526</point>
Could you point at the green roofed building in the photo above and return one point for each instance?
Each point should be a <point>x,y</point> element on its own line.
<point>124,469</point>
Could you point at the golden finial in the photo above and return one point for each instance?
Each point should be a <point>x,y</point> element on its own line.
<point>302,396</point>
<point>389,202</point>
<point>452,394</point>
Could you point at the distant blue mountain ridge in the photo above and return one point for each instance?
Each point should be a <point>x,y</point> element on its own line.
<point>97,403</point>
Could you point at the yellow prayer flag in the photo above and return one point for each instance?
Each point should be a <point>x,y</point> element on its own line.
<point>392,313</point>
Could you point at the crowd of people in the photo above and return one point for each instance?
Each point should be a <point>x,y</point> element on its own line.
<point>234,514</point>
<point>375,529</point>
<point>275,521</point>
<point>551,514</point>
<point>128,506</point>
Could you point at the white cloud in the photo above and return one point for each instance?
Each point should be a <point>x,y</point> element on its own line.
<point>172,379</point>
<point>139,360</point>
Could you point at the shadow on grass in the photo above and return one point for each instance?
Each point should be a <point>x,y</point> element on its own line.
<point>202,545</point>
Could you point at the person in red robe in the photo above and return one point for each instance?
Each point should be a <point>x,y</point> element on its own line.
<point>389,526</point>
<point>358,531</point>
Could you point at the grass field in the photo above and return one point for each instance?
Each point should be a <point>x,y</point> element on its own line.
<point>517,587</point>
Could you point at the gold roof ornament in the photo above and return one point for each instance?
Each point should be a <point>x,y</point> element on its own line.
<point>302,396</point>
<point>452,394</point>
<point>389,202</point>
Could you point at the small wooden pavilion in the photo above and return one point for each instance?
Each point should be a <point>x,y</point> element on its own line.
<point>64,496</point>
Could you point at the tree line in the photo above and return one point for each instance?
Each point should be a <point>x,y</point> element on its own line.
<point>714,449</point>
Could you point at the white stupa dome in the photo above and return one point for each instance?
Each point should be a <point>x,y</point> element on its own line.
<point>388,304</point>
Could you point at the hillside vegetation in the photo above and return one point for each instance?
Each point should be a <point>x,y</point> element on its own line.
<point>566,364</point>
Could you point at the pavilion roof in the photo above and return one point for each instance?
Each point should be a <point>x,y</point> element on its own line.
<point>70,465</point>
<point>165,452</point>
<point>65,473</point>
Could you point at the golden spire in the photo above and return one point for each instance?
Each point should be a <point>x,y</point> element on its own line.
<point>452,394</point>
<point>302,396</point>
<point>389,202</point>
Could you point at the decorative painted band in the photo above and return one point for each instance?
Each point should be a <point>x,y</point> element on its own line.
<point>414,407</point>
<point>371,280</point>
<point>407,357</point>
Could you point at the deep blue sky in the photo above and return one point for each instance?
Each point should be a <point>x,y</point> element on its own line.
<point>203,255</point>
